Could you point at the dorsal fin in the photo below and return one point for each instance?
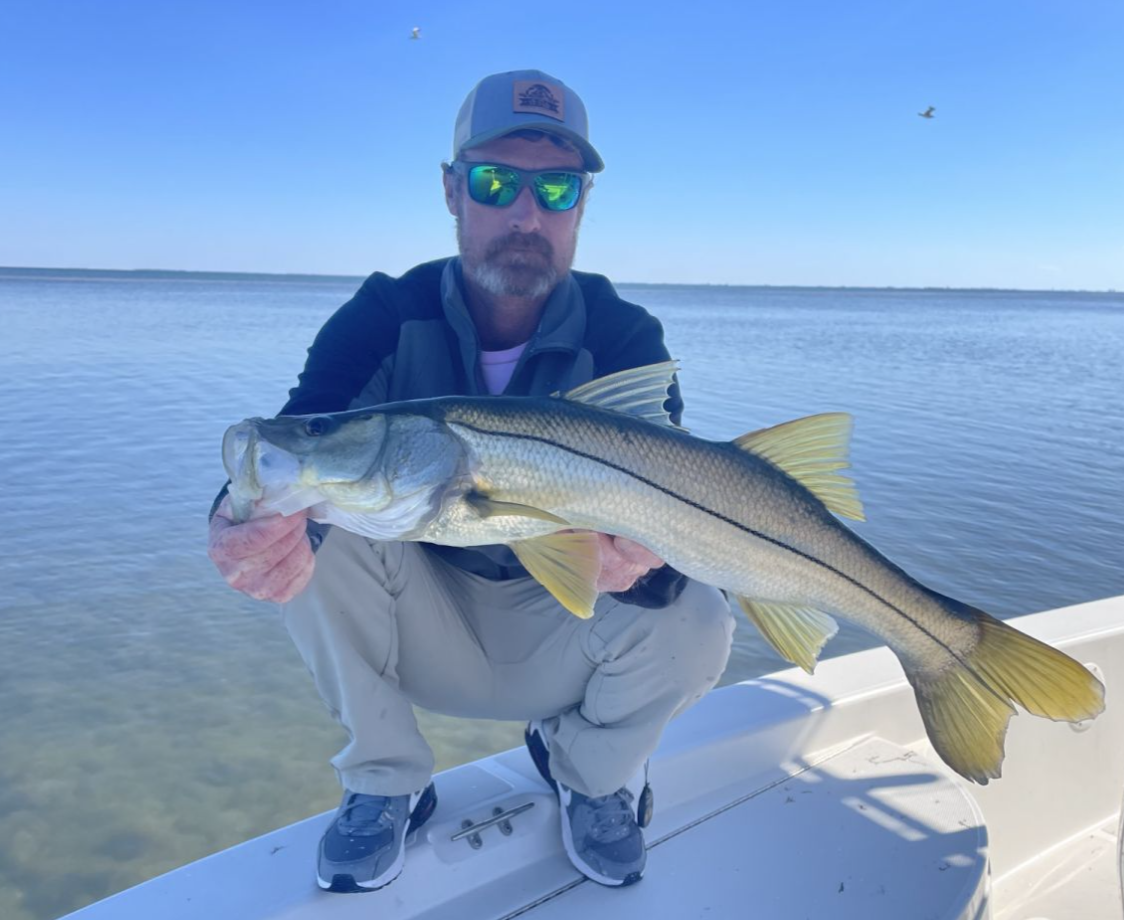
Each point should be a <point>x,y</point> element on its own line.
<point>638,391</point>
<point>810,450</point>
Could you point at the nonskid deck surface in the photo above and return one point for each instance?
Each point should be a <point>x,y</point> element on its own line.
<point>801,796</point>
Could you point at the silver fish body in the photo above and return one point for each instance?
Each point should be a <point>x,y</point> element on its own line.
<point>753,517</point>
<point>722,515</point>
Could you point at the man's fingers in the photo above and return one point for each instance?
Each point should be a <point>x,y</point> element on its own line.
<point>620,579</point>
<point>229,541</point>
<point>249,566</point>
<point>268,558</point>
<point>298,582</point>
<point>635,552</point>
<point>294,572</point>
<point>620,570</point>
<point>619,552</point>
<point>284,580</point>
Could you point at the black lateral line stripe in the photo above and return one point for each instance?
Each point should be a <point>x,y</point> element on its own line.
<point>749,530</point>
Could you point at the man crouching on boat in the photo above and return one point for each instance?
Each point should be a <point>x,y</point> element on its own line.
<point>467,632</point>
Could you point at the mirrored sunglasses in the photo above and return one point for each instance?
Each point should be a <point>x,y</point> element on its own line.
<point>498,186</point>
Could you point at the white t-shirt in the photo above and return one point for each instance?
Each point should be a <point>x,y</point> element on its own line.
<point>498,366</point>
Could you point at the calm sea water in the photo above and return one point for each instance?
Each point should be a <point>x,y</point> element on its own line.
<point>150,715</point>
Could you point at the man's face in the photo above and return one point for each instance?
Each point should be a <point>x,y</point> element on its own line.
<point>521,250</point>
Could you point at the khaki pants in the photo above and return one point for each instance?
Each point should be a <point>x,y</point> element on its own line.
<point>384,625</point>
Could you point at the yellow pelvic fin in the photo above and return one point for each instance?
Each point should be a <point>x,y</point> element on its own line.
<point>797,633</point>
<point>966,709</point>
<point>489,507</point>
<point>639,391</point>
<point>567,565</point>
<point>810,450</point>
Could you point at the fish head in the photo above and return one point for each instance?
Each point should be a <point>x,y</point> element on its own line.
<point>370,472</point>
<point>285,464</point>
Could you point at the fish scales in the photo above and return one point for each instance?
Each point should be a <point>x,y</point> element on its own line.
<point>752,516</point>
<point>710,509</point>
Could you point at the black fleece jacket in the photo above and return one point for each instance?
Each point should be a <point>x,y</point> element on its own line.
<point>412,338</point>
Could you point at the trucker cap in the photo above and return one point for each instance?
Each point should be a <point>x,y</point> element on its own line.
<point>524,99</point>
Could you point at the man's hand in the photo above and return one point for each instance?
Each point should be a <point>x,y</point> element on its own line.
<point>268,558</point>
<point>623,562</point>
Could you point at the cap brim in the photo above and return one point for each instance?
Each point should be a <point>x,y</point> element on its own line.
<point>591,159</point>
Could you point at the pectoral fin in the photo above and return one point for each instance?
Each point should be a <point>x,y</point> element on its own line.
<point>797,633</point>
<point>488,507</point>
<point>567,565</point>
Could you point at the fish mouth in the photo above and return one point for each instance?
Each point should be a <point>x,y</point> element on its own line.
<point>264,478</point>
<point>236,444</point>
<point>239,450</point>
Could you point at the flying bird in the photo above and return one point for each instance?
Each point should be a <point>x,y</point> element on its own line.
<point>415,32</point>
<point>928,113</point>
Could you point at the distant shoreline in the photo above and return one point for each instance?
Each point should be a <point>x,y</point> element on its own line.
<point>157,274</point>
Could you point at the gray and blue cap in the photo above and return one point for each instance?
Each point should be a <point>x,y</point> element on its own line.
<point>524,100</point>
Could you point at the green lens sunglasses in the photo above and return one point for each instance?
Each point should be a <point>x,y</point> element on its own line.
<point>498,186</point>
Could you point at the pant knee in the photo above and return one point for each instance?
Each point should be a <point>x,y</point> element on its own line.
<point>344,616</point>
<point>703,629</point>
<point>688,642</point>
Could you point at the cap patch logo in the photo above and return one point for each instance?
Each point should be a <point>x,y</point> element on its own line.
<point>539,99</point>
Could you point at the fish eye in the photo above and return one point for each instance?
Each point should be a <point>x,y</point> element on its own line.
<point>315,427</point>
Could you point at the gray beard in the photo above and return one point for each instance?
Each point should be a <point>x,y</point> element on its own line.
<point>501,278</point>
<point>500,281</point>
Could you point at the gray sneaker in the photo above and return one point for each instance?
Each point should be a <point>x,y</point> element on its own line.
<point>364,848</point>
<point>600,834</point>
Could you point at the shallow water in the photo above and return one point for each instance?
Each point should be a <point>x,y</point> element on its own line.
<point>151,715</point>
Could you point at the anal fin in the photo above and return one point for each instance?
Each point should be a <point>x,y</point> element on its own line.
<point>797,633</point>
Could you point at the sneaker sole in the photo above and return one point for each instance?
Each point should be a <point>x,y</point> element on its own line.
<point>535,749</point>
<point>421,809</point>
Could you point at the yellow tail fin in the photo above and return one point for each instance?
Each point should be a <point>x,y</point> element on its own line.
<point>966,709</point>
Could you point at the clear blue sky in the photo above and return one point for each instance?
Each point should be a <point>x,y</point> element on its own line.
<point>746,143</point>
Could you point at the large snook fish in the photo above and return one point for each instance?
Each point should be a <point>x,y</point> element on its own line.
<point>753,516</point>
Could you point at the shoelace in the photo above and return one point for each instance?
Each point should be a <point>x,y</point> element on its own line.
<point>366,814</point>
<point>612,816</point>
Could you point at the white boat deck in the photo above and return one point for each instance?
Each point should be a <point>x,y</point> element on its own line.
<point>790,796</point>
<point>1079,878</point>
<point>859,834</point>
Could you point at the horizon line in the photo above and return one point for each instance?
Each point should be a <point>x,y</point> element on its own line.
<point>315,276</point>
